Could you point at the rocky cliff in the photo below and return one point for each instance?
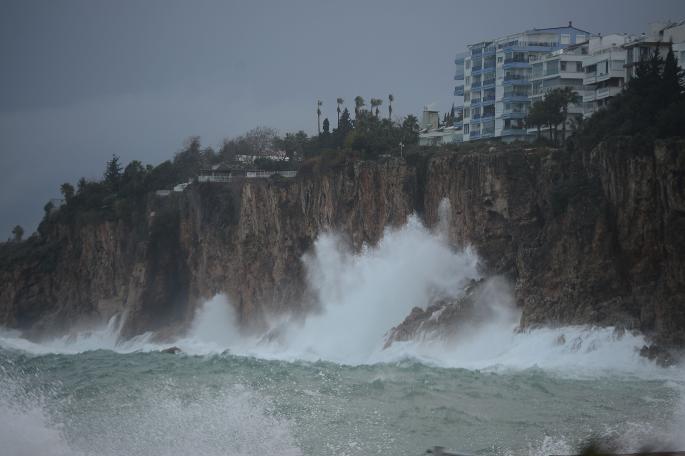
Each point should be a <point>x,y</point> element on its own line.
<point>586,237</point>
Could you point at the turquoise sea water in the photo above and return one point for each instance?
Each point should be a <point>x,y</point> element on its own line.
<point>108,403</point>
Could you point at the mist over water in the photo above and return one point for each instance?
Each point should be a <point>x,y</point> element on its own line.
<point>323,383</point>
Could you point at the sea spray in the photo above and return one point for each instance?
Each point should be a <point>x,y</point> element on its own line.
<point>164,418</point>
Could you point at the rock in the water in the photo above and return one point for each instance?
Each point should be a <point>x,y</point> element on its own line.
<point>658,354</point>
<point>445,317</point>
<point>172,350</point>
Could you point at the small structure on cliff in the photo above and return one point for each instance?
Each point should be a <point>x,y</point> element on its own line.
<point>217,173</point>
<point>221,173</point>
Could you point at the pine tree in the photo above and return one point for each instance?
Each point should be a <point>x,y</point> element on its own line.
<point>671,78</point>
<point>345,124</point>
<point>113,173</point>
<point>326,127</point>
<point>18,233</point>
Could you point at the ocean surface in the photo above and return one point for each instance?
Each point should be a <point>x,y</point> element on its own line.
<point>324,385</point>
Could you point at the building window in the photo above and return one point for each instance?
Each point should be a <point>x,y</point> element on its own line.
<point>468,80</point>
<point>500,59</point>
<point>565,38</point>
<point>563,66</point>
<point>468,64</point>
<point>466,129</point>
<point>580,38</point>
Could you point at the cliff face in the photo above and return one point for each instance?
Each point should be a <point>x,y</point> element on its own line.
<point>587,237</point>
<point>243,239</point>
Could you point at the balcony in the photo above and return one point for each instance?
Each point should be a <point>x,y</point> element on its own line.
<point>606,92</point>
<point>515,97</point>
<point>488,83</point>
<point>489,101</point>
<point>594,78</point>
<point>475,102</point>
<point>459,91</point>
<point>513,115</point>
<point>601,94</point>
<point>475,85</point>
<point>527,46</point>
<point>514,131</point>
<point>511,64</point>
<point>475,135</point>
<point>516,79</point>
<point>488,118</point>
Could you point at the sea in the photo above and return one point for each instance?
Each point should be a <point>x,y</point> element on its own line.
<point>325,384</point>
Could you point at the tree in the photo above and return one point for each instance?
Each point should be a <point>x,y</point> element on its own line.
<point>553,104</point>
<point>566,96</point>
<point>358,104</point>
<point>536,116</point>
<point>294,144</point>
<point>18,233</point>
<point>318,115</point>
<point>113,173</point>
<point>189,160</point>
<point>133,179</point>
<point>672,77</point>
<point>375,103</point>
<point>47,209</point>
<point>390,100</point>
<point>410,130</point>
<point>326,127</point>
<point>67,191</point>
<point>339,101</point>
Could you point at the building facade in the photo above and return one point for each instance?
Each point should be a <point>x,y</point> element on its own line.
<point>496,80</point>
<point>556,70</point>
<point>661,37</point>
<point>604,69</point>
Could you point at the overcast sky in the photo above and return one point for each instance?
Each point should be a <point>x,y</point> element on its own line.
<point>81,80</point>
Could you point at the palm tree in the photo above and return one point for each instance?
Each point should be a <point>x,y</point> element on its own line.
<point>358,103</point>
<point>375,103</point>
<point>318,115</point>
<point>390,100</point>
<point>340,101</point>
<point>567,96</point>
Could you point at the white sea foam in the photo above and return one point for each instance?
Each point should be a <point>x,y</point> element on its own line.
<point>362,295</point>
<point>164,420</point>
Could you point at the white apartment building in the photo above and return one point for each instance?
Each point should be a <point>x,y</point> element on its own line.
<point>559,69</point>
<point>496,84</point>
<point>604,69</point>
<point>660,37</point>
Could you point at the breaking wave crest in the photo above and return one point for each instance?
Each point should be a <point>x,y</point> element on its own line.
<point>161,419</point>
<point>363,295</point>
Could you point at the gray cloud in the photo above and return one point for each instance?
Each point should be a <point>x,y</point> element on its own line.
<point>81,80</point>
